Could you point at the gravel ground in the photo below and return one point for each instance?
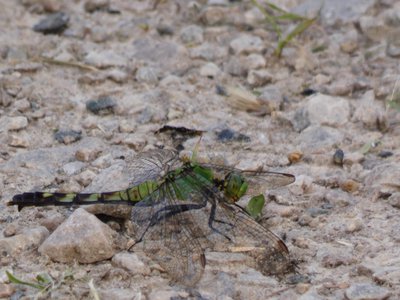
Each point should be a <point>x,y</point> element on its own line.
<point>84,86</point>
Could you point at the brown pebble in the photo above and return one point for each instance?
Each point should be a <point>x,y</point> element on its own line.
<point>295,157</point>
<point>350,186</point>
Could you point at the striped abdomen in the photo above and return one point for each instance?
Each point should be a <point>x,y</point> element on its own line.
<point>129,196</point>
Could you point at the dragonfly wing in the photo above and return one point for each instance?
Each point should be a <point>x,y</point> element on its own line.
<point>149,165</point>
<point>168,232</point>
<point>231,222</point>
<point>258,180</point>
<point>270,252</point>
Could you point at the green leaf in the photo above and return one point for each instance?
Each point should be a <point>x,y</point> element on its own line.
<point>255,206</point>
<point>14,279</point>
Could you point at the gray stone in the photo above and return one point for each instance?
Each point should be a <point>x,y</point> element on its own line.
<point>366,291</point>
<point>354,225</point>
<point>52,24</point>
<point>22,105</point>
<point>370,112</point>
<point>235,67</point>
<point>215,15</point>
<point>73,168</point>
<point>255,61</point>
<point>192,34</point>
<point>315,137</point>
<point>385,177</point>
<point>246,44</point>
<point>374,28</point>
<point>393,49</point>
<point>13,123</point>
<point>85,178</point>
<point>103,161</point>
<point>167,56</point>
<point>394,200</point>
<point>335,12</point>
<point>6,291</point>
<point>208,51</point>
<point>105,59</point>
<point>342,85</point>
<point>82,238</point>
<point>259,77</point>
<point>209,70</point>
<point>87,154</point>
<point>334,257</point>
<point>93,5</point>
<point>28,239</point>
<point>130,262</point>
<point>21,141</point>
<point>388,275</point>
<point>338,198</point>
<point>117,76</point>
<point>327,110</point>
<point>102,105</point>
<point>120,294</point>
<point>148,75</point>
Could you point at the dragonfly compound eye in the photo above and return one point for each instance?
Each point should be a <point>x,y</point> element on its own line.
<point>235,186</point>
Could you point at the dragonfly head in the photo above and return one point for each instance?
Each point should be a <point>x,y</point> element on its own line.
<point>235,186</point>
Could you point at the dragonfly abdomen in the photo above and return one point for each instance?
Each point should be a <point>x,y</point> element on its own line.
<point>129,196</point>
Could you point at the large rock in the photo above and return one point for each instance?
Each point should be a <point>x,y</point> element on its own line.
<point>83,238</point>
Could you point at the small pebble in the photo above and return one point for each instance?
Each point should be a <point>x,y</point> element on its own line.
<point>165,29</point>
<point>295,156</point>
<point>18,141</point>
<point>192,34</point>
<point>366,291</point>
<point>73,168</point>
<point>350,186</point>
<point>259,77</point>
<point>53,24</point>
<point>209,70</point>
<point>94,5</point>
<point>6,290</point>
<point>102,105</point>
<point>227,135</point>
<point>67,136</point>
<point>394,200</point>
<point>22,105</point>
<point>354,226</point>
<point>87,154</point>
<point>338,157</point>
<point>385,154</point>
<point>246,44</point>
<point>17,123</point>
<point>148,75</point>
<point>86,177</point>
<point>255,61</point>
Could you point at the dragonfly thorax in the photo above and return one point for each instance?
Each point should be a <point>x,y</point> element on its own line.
<point>234,186</point>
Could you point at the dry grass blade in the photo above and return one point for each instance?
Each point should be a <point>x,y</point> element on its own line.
<point>243,100</point>
<point>296,31</point>
<point>69,64</point>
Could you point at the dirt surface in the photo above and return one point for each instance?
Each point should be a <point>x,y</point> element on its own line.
<point>81,96</point>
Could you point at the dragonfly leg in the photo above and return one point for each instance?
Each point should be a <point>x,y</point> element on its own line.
<point>171,211</point>
<point>212,219</point>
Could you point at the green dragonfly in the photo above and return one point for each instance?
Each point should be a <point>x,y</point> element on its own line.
<point>181,207</point>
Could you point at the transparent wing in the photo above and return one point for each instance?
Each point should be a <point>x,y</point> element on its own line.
<point>168,232</point>
<point>258,180</point>
<point>232,223</point>
<point>150,165</point>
